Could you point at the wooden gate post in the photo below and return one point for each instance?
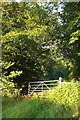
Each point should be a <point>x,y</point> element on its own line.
<point>28,88</point>
<point>60,81</point>
<point>42,88</point>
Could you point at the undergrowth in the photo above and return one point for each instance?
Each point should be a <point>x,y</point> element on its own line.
<point>62,103</point>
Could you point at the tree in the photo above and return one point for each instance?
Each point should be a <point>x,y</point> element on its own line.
<point>69,43</point>
<point>23,33</point>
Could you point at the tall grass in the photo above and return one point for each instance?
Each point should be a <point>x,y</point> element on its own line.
<point>63,103</point>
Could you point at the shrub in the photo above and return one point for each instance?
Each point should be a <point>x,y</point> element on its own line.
<point>66,96</point>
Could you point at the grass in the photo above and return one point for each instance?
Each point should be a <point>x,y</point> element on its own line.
<point>33,108</point>
<point>62,104</point>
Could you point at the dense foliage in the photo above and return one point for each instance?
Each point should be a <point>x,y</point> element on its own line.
<point>70,37</point>
<point>40,42</point>
<point>8,86</point>
<point>22,36</point>
<point>66,96</point>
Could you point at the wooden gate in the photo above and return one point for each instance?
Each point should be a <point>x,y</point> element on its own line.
<point>40,86</point>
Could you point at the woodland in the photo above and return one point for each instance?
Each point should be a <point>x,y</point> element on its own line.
<point>39,42</point>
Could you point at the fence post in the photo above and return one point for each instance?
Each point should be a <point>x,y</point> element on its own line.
<point>42,88</point>
<point>28,88</point>
<point>60,81</point>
